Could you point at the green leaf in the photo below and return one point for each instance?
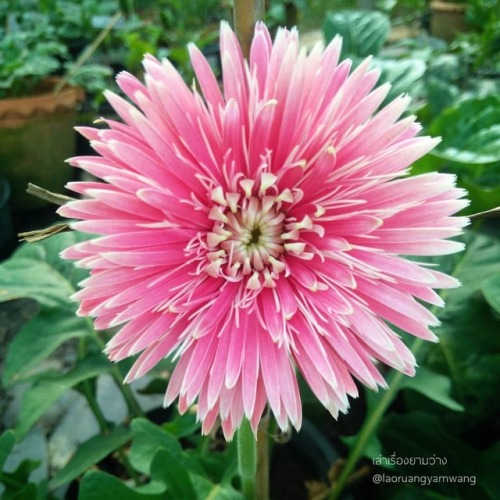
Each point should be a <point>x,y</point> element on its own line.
<point>35,270</point>
<point>7,441</point>
<point>441,94</point>
<point>491,290</point>
<point>433,385</point>
<point>363,32</point>
<point>24,277</point>
<point>97,485</point>
<point>148,438</point>
<point>39,338</point>
<point>405,76</point>
<point>43,394</point>
<point>166,469</point>
<point>91,452</point>
<point>470,132</point>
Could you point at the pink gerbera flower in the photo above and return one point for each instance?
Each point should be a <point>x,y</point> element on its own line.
<point>258,231</point>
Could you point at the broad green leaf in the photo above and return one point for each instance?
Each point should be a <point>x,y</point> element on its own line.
<point>167,469</point>
<point>491,290</point>
<point>405,76</point>
<point>35,270</point>
<point>24,277</point>
<point>148,438</point>
<point>446,67</point>
<point>43,394</point>
<point>441,94</point>
<point>470,132</point>
<point>363,32</point>
<point>39,338</point>
<point>7,441</point>
<point>97,485</point>
<point>91,452</point>
<point>433,385</point>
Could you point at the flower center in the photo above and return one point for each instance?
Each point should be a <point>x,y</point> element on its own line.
<point>255,236</point>
<point>251,233</point>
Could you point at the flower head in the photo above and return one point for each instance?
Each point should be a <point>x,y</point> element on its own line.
<point>258,231</point>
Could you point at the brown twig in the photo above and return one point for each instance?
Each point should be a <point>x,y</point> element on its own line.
<point>42,234</point>
<point>56,198</point>
<point>246,13</point>
<point>488,214</point>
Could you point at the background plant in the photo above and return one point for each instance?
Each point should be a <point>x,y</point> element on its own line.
<point>33,47</point>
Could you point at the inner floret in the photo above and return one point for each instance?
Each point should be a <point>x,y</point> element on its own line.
<point>255,235</point>
<point>252,233</point>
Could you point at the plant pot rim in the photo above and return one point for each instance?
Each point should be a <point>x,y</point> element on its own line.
<point>441,6</point>
<point>45,102</point>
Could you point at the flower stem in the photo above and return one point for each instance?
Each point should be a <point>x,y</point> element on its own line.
<point>246,13</point>
<point>247,459</point>
<point>262,474</point>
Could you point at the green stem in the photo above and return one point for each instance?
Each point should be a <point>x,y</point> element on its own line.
<point>262,473</point>
<point>247,459</point>
<point>204,445</point>
<point>89,393</point>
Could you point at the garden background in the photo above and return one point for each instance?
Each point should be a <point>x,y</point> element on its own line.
<point>71,429</point>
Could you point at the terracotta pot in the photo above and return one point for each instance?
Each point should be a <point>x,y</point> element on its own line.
<point>36,136</point>
<point>447,19</point>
